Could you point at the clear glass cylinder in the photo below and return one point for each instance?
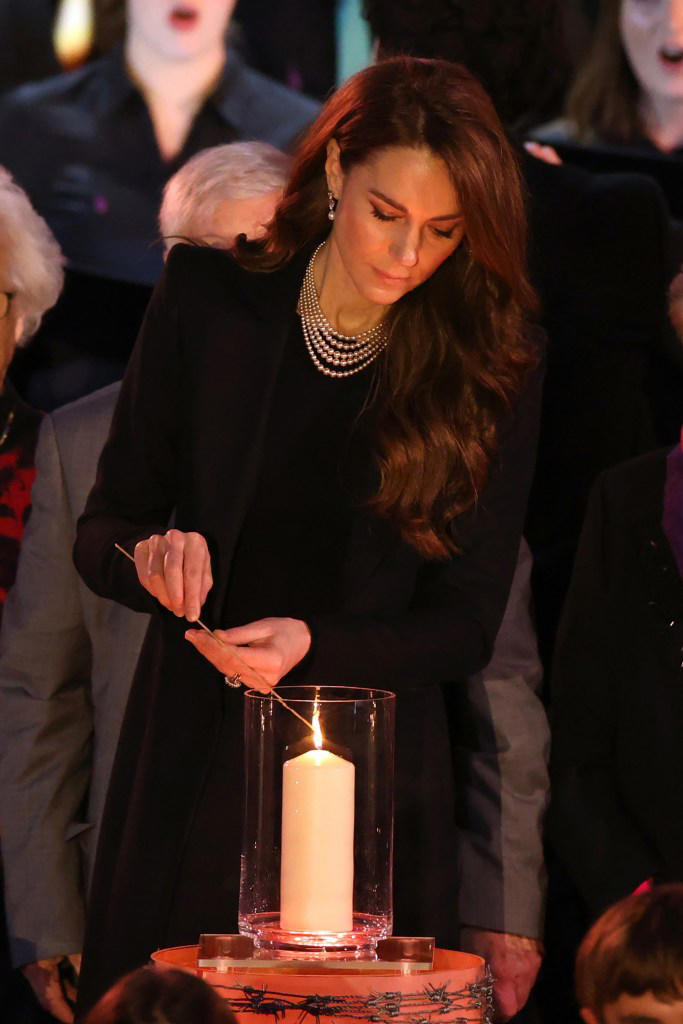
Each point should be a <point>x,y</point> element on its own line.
<point>316,872</point>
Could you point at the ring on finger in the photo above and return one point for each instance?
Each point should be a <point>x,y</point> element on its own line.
<point>234,680</point>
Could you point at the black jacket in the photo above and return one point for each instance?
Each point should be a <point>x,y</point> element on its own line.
<point>617,709</point>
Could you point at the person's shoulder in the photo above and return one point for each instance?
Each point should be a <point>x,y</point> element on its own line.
<point>202,266</point>
<point>56,90</point>
<point>632,490</point>
<point>561,129</point>
<point>89,415</point>
<point>642,471</point>
<point>262,108</point>
<point>578,184</point>
<point>280,96</point>
<point>218,276</point>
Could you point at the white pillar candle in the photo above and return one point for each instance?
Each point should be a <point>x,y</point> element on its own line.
<point>316,881</point>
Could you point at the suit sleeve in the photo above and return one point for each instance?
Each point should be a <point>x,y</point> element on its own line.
<point>599,844</point>
<point>501,741</point>
<point>136,486</point>
<point>449,630</point>
<point>46,726</point>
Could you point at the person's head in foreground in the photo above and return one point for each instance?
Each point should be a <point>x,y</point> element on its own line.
<point>222,192</point>
<point>153,995</point>
<point>407,178</point>
<point>629,968</point>
<point>31,274</point>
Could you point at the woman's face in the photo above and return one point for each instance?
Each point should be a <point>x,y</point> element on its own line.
<point>652,37</point>
<point>179,29</point>
<point>398,218</point>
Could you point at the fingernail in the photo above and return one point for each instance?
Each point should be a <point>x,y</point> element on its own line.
<point>192,616</point>
<point>190,635</point>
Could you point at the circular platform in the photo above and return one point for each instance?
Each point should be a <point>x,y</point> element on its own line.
<point>456,990</point>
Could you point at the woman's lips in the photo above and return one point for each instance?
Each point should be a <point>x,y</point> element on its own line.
<point>391,278</point>
<point>671,58</point>
<point>183,18</point>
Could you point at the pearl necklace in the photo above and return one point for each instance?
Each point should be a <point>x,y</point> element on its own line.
<point>335,354</point>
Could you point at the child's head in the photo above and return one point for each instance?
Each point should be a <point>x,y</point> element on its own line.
<point>629,968</point>
<point>164,996</point>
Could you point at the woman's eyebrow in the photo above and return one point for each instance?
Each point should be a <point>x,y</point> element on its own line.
<point>399,206</point>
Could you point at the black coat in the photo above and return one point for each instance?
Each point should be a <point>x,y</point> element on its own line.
<point>617,711</point>
<point>187,436</point>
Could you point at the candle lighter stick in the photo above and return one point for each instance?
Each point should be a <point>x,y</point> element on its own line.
<point>242,663</point>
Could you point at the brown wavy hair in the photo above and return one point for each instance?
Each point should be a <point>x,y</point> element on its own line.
<point>457,354</point>
<point>603,101</point>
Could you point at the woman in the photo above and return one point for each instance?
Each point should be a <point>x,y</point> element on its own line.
<point>172,89</point>
<point>335,420</point>
<point>629,91</point>
<point>30,282</point>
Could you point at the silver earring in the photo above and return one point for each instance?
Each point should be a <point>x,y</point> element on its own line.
<point>331,205</point>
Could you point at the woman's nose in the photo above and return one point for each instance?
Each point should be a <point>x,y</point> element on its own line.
<point>406,246</point>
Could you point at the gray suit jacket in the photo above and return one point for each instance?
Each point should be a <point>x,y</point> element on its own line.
<point>501,746</point>
<point>66,662</point>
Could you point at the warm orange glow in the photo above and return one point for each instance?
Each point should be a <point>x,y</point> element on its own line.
<point>317,731</point>
<point>73,32</point>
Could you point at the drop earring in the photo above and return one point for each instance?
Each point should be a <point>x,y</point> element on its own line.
<point>331,205</point>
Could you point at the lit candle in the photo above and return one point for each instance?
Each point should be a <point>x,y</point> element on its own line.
<point>316,881</point>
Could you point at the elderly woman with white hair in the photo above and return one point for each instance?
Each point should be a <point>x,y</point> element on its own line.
<point>222,192</point>
<point>30,282</point>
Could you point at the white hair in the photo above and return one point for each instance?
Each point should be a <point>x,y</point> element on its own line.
<point>238,170</point>
<point>35,263</point>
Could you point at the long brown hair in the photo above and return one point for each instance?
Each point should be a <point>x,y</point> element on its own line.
<point>603,101</point>
<point>457,355</point>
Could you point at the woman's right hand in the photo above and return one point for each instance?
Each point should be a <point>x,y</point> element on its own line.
<point>176,569</point>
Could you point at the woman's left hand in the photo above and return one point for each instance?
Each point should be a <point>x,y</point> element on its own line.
<point>261,653</point>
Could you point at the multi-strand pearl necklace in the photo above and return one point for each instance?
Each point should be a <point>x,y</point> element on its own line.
<point>335,354</point>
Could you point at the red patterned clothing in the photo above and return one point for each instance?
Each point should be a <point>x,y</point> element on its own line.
<point>19,425</point>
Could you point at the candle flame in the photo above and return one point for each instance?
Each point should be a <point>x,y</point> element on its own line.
<point>317,731</point>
